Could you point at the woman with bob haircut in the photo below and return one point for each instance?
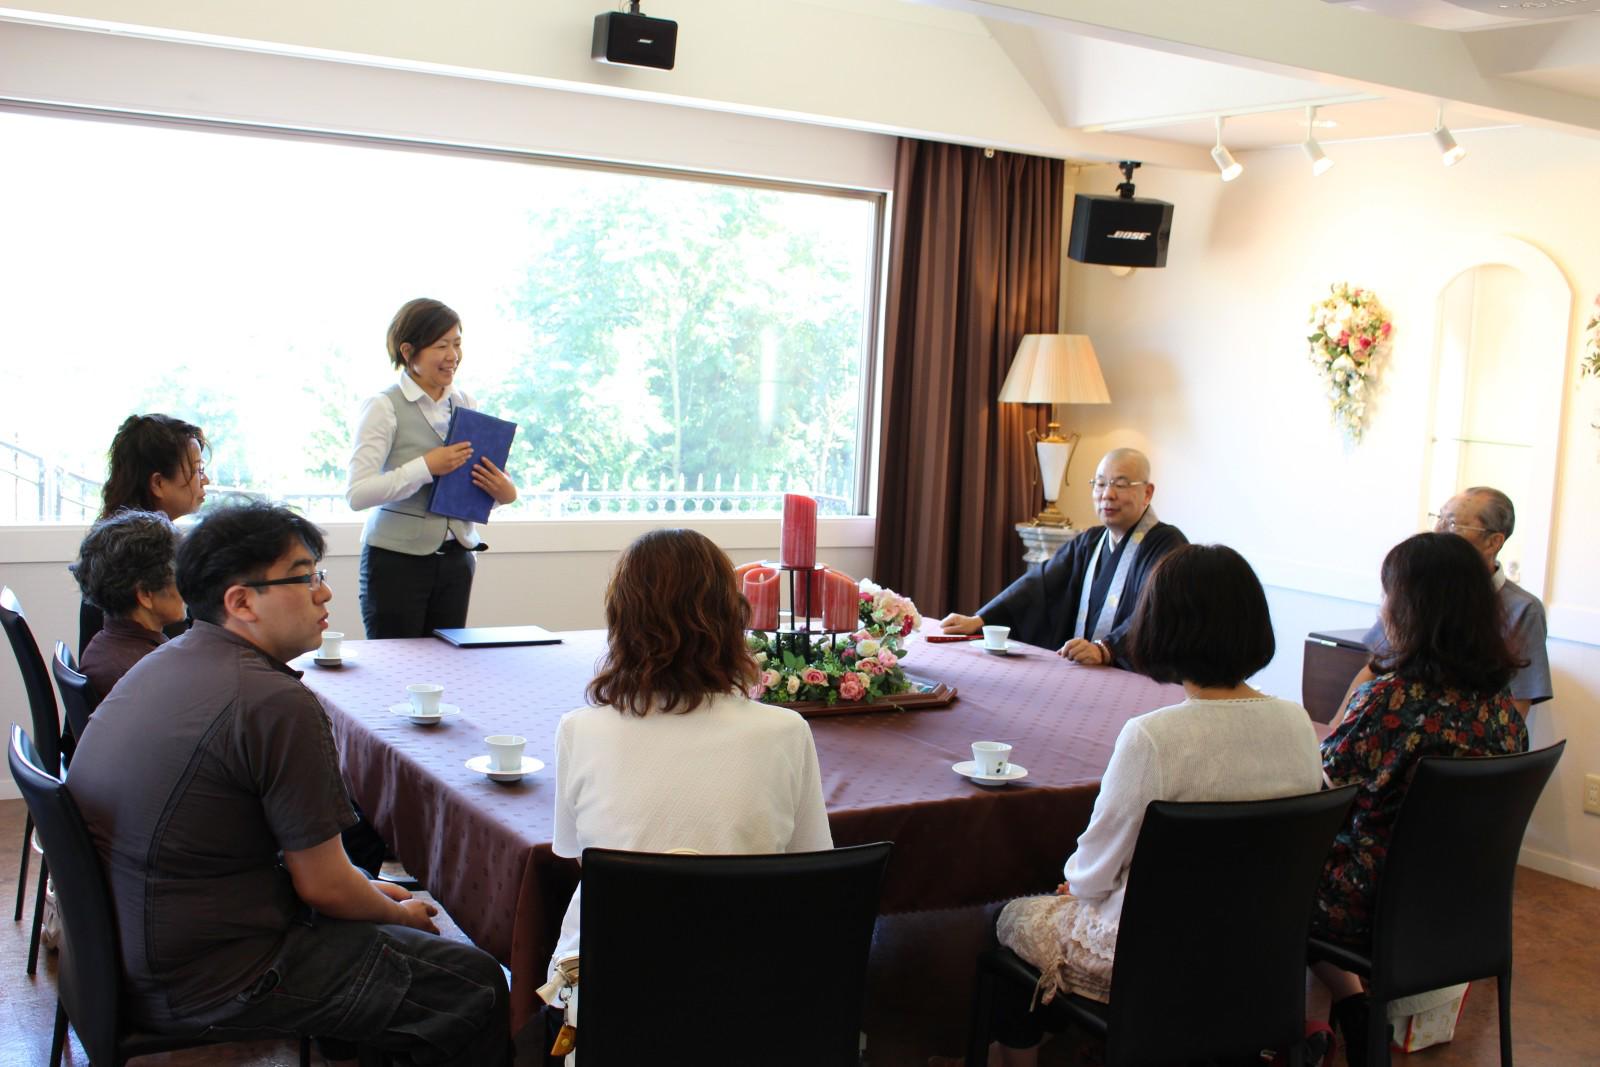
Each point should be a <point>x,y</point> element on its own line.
<point>416,566</point>
<point>1201,621</point>
<point>671,754</point>
<point>1439,690</point>
<point>156,463</point>
<point>127,569</point>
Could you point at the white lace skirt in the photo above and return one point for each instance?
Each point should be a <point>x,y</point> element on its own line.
<point>1065,939</point>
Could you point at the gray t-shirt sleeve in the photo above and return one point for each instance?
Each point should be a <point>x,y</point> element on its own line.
<point>1525,616</point>
<point>290,756</point>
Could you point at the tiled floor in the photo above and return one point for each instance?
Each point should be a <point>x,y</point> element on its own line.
<point>1556,1008</point>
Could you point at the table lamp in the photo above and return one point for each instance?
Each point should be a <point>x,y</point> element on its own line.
<point>1054,368</point>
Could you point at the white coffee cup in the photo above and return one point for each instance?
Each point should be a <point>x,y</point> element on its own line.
<point>991,758</point>
<point>425,697</point>
<point>995,637</point>
<point>332,640</point>
<point>505,751</point>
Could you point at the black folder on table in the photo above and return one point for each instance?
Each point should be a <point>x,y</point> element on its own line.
<point>496,636</point>
<point>454,494</point>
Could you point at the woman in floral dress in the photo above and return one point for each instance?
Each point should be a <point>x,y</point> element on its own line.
<point>1439,691</point>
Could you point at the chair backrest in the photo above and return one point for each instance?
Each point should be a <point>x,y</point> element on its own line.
<point>78,698</point>
<point>738,958</point>
<point>1443,913</point>
<point>1211,949</point>
<point>89,975</point>
<point>35,679</point>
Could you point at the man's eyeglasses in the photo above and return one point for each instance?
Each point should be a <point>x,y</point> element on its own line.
<point>1121,485</point>
<point>1446,524</point>
<point>314,579</point>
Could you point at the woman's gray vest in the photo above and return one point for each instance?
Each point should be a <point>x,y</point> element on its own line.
<point>407,525</point>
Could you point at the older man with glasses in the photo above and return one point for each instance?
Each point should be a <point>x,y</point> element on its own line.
<point>1486,518</point>
<point>1080,602</point>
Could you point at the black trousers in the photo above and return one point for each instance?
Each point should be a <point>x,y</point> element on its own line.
<point>409,596</point>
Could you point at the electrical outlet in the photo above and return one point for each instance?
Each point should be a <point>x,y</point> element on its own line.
<point>1591,794</point>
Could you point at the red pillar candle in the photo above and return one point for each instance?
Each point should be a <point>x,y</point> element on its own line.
<point>743,569</point>
<point>799,544</point>
<point>761,590</point>
<point>840,610</point>
<point>808,590</point>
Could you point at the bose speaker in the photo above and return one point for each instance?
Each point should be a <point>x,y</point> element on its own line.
<point>634,40</point>
<point>1120,231</point>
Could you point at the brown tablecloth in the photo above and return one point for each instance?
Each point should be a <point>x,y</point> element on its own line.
<point>483,849</point>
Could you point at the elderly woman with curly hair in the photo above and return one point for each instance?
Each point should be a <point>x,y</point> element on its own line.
<point>672,754</point>
<point>125,569</point>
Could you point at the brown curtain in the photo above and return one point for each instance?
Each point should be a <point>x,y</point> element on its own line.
<point>975,263</point>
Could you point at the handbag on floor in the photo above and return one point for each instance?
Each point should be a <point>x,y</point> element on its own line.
<point>1427,1019</point>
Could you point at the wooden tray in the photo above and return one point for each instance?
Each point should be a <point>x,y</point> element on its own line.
<point>925,694</point>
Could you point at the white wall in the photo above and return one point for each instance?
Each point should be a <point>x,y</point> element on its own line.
<point>1207,368</point>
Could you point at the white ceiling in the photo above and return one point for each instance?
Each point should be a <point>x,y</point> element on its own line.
<point>1375,68</point>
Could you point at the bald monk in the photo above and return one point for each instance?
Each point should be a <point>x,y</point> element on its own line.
<point>1079,603</point>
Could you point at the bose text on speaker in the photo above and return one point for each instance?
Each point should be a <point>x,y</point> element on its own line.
<point>634,40</point>
<point>1120,231</point>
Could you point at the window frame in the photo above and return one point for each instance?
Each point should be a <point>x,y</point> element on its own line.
<point>853,530</point>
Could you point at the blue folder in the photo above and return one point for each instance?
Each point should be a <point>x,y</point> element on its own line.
<point>454,494</point>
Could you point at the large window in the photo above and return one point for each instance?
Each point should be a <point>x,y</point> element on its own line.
<point>665,343</point>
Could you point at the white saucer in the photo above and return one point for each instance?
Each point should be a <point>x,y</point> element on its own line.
<point>404,711</point>
<point>481,765</point>
<point>1012,648</point>
<point>968,768</point>
<point>346,655</point>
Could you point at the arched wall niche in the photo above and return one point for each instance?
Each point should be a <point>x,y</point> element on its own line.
<point>1502,327</point>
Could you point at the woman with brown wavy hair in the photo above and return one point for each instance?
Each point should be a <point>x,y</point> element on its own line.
<point>671,754</point>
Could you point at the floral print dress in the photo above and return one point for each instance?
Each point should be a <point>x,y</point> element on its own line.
<point>1393,722</point>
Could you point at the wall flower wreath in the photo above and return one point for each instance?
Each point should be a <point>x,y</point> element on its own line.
<point>1349,332</point>
<point>1591,342</point>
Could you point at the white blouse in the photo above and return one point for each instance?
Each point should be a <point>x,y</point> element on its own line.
<point>1245,749</point>
<point>731,777</point>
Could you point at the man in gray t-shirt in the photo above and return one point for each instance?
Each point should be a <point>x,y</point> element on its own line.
<point>210,784</point>
<point>1485,517</point>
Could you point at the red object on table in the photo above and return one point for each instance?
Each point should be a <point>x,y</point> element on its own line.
<point>798,547</point>
<point>761,590</point>
<point>841,602</point>
<point>483,849</point>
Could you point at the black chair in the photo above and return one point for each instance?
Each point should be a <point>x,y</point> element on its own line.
<point>776,946</point>
<point>1210,959</point>
<point>1443,913</point>
<point>89,980</point>
<point>47,728</point>
<point>78,698</point>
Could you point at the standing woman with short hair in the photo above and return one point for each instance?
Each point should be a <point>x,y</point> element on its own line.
<point>416,566</point>
<point>156,463</point>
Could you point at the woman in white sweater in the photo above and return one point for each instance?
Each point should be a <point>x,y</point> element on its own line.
<point>673,755</point>
<point>1201,620</point>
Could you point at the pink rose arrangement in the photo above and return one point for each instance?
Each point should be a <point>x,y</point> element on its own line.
<point>1349,332</point>
<point>855,667</point>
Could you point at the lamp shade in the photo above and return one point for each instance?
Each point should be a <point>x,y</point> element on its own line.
<point>1055,368</point>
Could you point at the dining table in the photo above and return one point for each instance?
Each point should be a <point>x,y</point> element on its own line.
<point>482,848</point>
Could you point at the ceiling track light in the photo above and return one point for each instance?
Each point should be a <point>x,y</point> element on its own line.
<point>1223,158</point>
<point>1450,153</point>
<point>1320,163</point>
